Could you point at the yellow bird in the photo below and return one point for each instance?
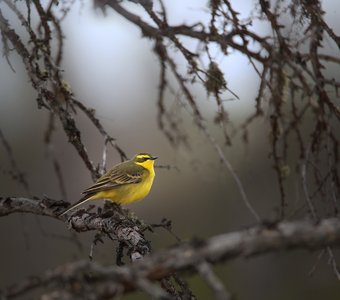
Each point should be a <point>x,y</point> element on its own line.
<point>125,183</point>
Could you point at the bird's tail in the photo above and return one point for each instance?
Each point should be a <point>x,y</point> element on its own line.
<point>78,203</point>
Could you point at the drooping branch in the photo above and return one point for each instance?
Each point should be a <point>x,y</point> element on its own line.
<point>253,241</point>
<point>293,81</point>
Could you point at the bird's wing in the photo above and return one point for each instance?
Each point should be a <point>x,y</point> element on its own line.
<point>118,176</point>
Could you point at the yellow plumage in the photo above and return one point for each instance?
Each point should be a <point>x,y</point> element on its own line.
<point>125,183</point>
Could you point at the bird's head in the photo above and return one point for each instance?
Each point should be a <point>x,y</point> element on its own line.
<point>145,160</point>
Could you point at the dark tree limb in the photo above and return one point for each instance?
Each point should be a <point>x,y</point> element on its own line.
<point>187,256</point>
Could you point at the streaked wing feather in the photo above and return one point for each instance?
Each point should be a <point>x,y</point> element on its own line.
<point>118,176</point>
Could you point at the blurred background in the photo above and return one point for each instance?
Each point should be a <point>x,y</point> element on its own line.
<point>113,70</point>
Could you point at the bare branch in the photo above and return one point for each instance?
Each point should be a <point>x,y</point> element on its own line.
<point>246,243</point>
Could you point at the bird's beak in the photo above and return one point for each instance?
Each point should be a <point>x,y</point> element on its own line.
<point>153,157</point>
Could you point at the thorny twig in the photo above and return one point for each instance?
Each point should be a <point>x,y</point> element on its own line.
<point>54,94</point>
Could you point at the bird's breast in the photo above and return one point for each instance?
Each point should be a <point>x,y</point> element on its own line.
<point>138,191</point>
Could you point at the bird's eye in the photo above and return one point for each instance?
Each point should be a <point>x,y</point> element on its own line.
<point>143,159</point>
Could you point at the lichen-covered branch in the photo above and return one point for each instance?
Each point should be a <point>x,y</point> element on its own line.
<point>112,220</point>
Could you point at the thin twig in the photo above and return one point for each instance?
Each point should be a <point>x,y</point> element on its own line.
<point>206,272</point>
<point>232,172</point>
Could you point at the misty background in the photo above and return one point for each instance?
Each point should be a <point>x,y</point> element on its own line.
<point>113,70</point>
